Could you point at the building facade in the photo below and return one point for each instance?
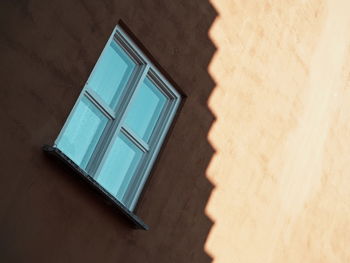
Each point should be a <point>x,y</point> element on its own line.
<point>255,166</point>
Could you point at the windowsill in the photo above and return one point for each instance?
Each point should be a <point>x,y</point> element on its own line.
<point>135,220</point>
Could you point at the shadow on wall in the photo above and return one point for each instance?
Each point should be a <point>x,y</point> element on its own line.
<point>48,49</point>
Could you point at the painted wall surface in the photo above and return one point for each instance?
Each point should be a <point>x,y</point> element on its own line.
<point>256,168</point>
<point>281,170</point>
<point>48,49</point>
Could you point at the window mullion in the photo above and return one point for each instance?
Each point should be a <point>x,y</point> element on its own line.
<point>134,86</point>
<point>108,138</point>
<point>99,103</point>
<point>127,98</point>
<point>135,139</point>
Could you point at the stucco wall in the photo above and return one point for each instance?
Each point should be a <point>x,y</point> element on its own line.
<point>256,167</point>
<point>48,49</point>
<point>281,169</point>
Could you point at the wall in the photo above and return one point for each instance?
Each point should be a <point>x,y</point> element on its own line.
<point>48,49</point>
<point>256,167</point>
<point>281,170</point>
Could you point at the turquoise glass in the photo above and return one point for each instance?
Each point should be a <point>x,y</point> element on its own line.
<point>111,74</point>
<point>119,167</point>
<point>82,133</point>
<point>145,109</point>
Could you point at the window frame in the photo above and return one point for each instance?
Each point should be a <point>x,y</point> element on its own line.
<point>115,124</point>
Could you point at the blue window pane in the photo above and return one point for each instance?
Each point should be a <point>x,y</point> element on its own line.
<point>111,74</point>
<point>145,108</point>
<point>119,167</point>
<point>82,132</point>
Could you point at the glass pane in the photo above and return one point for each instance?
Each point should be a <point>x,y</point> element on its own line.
<point>111,74</point>
<point>119,166</point>
<point>82,132</point>
<point>144,109</point>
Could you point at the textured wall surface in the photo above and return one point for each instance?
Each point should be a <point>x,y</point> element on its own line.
<point>281,169</point>
<point>256,168</point>
<point>48,49</point>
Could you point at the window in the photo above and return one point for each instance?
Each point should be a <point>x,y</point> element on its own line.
<point>120,119</point>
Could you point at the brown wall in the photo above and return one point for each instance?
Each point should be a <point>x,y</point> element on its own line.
<point>257,165</point>
<point>48,49</point>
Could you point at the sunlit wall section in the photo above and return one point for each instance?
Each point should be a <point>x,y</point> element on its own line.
<point>282,135</point>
